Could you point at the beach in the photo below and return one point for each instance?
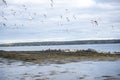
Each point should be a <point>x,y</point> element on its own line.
<point>59,65</point>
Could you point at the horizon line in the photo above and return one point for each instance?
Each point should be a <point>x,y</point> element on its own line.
<point>58,40</point>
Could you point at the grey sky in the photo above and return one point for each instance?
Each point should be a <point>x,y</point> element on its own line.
<point>44,20</point>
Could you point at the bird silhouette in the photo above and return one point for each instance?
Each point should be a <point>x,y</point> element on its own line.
<point>112,26</point>
<point>34,13</point>
<point>4,2</point>
<point>51,1</point>
<point>94,22</point>
<point>61,16</point>
<point>4,24</point>
<point>68,20</point>
<point>4,18</point>
<point>24,6</point>
<point>45,16</point>
<point>51,4</point>
<point>74,16</point>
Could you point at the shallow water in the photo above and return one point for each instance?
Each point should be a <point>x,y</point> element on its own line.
<point>86,70</point>
<point>98,47</point>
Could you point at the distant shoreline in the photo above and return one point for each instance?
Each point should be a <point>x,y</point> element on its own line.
<point>47,43</point>
<point>58,56</point>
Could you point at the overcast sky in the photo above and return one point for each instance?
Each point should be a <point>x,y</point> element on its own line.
<point>58,20</point>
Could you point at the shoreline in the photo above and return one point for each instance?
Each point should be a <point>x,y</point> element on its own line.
<point>59,65</point>
<point>101,70</point>
<point>59,56</point>
<point>74,42</point>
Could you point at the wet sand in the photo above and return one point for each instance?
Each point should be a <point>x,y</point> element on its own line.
<point>82,70</point>
<point>59,65</point>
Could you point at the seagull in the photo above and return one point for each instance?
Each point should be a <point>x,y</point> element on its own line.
<point>34,13</point>
<point>68,19</point>
<point>25,7</point>
<point>112,26</point>
<point>61,16</point>
<point>4,18</point>
<point>2,14</point>
<point>4,24</point>
<point>66,9</point>
<point>51,1</point>
<point>94,22</point>
<point>22,25</point>
<point>14,13</point>
<point>15,25</point>
<point>45,16</point>
<point>51,4</point>
<point>74,16</point>
<point>30,18</point>
<point>4,2</point>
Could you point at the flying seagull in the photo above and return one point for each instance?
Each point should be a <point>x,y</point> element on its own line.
<point>61,16</point>
<point>74,16</point>
<point>68,20</point>
<point>30,18</point>
<point>4,2</point>
<point>94,22</point>
<point>45,16</point>
<point>4,24</point>
<point>52,1</point>
<point>51,4</point>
